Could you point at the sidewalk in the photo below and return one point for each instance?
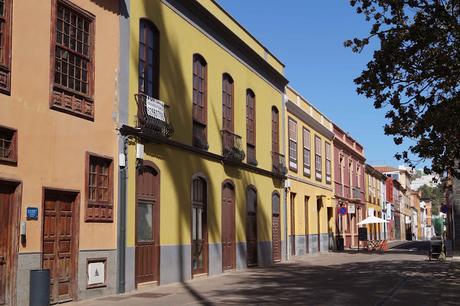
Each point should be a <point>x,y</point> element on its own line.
<point>401,278</point>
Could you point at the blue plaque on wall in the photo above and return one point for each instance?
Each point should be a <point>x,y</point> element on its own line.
<point>32,213</point>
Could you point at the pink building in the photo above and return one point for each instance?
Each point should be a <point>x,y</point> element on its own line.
<point>349,185</point>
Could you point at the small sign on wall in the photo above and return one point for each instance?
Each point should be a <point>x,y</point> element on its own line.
<point>351,208</point>
<point>96,272</point>
<point>32,213</point>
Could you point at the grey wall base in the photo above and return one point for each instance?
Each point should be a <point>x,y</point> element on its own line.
<point>130,268</point>
<point>111,266</point>
<point>215,258</point>
<point>32,261</point>
<point>175,263</point>
<point>26,262</point>
<point>264,253</point>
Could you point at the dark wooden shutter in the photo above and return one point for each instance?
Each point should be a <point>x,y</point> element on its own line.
<point>227,103</point>
<point>199,227</point>
<point>275,130</point>
<point>148,59</point>
<point>199,111</point>
<point>251,126</point>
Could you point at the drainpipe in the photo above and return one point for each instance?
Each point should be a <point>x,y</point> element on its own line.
<point>283,120</point>
<point>122,219</point>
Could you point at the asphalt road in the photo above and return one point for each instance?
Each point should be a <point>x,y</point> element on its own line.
<point>402,276</point>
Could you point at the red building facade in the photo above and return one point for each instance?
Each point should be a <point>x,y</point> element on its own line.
<point>349,180</point>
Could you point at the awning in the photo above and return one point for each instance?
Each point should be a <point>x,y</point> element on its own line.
<point>372,220</point>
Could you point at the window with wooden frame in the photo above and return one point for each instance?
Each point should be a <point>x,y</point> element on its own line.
<point>149,58</point>
<point>8,145</point>
<point>199,112</point>
<point>5,45</point>
<point>292,135</point>
<point>72,51</point>
<point>99,188</point>
<point>358,175</point>
<point>227,102</point>
<point>251,127</point>
<point>306,152</point>
<point>318,159</point>
<point>328,162</point>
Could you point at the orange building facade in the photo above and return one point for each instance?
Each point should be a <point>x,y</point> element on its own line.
<point>58,146</point>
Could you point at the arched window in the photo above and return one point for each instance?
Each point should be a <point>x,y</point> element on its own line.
<point>227,102</point>
<point>199,112</point>
<point>149,52</point>
<point>251,127</point>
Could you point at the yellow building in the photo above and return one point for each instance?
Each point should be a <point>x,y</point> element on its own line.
<point>310,213</point>
<point>374,201</point>
<point>58,147</point>
<point>202,128</point>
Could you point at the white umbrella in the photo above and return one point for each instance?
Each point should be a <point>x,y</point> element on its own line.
<point>372,220</point>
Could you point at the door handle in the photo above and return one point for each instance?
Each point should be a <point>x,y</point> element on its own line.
<point>2,260</point>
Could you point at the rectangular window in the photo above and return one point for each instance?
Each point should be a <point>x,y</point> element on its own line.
<point>99,189</point>
<point>200,139</point>
<point>328,163</point>
<point>73,52</point>
<point>8,145</point>
<point>318,159</point>
<point>292,144</point>
<point>306,153</point>
<point>5,45</point>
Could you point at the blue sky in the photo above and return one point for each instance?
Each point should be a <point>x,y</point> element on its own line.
<point>307,36</point>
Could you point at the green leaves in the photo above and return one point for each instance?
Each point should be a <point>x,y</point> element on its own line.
<point>415,75</point>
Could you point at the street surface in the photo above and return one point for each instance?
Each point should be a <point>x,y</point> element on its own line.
<point>402,276</point>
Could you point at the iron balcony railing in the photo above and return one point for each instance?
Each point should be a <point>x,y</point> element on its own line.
<point>279,163</point>
<point>231,146</point>
<point>153,121</point>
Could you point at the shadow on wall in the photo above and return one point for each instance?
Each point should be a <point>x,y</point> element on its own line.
<point>173,85</point>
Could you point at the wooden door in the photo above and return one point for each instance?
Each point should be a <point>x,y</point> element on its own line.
<point>227,103</point>
<point>251,227</point>
<point>199,227</point>
<point>307,247</point>
<point>276,228</point>
<point>6,193</point>
<point>60,238</point>
<point>147,258</point>
<point>228,227</point>
<point>293,224</point>
<point>318,204</point>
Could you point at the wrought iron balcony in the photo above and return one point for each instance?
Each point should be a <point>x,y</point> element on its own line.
<point>153,116</point>
<point>279,163</point>
<point>356,193</point>
<point>231,146</point>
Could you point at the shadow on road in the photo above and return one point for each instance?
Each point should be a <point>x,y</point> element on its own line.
<point>359,283</point>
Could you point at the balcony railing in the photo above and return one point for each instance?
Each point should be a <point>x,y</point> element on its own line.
<point>231,146</point>
<point>357,193</point>
<point>153,116</point>
<point>279,164</point>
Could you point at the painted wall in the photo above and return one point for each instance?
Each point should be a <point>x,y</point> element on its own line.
<point>307,187</point>
<point>179,40</point>
<point>52,145</point>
